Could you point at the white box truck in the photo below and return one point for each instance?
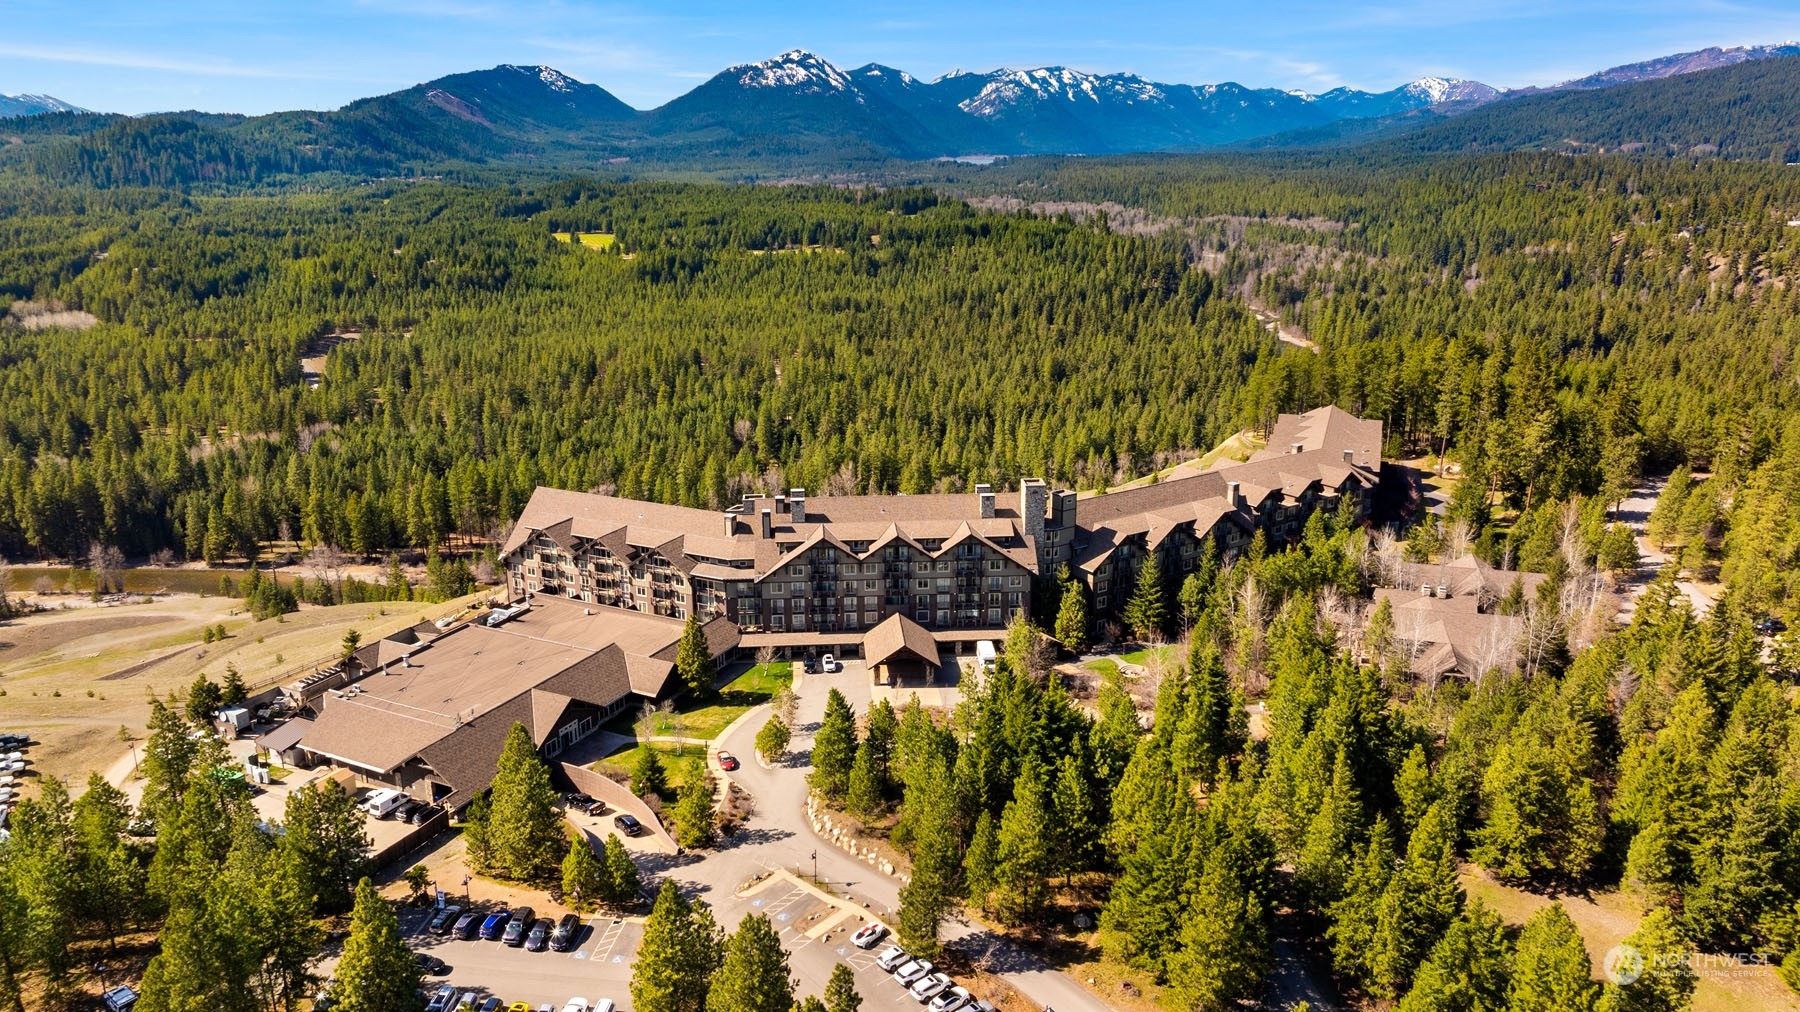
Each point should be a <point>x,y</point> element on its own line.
<point>985,655</point>
<point>380,802</point>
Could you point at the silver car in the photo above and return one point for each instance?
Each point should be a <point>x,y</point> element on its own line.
<point>892,958</point>
<point>952,999</point>
<point>913,971</point>
<point>927,988</point>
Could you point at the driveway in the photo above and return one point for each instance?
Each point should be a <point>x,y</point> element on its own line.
<point>1634,512</point>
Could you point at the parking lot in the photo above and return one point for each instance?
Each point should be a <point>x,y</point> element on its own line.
<point>598,967</point>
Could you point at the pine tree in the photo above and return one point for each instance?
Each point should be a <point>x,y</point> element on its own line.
<point>584,878</point>
<point>1324,866</point>
<point>1421,900</point>
<point>834,749</point>
<point>1466,971</point>
<point>754,975</point>
<point>619,878</point>
<point>1021,879</point>
<point>840,990</point>
<point>1147,613</point>
<point>476,841</point>
<point>864,797</point>
<point>1667,983</point>
<point>681,951</point>
<point>694,814</point>
<point>523,825</point>
<point>1355,918</point>
<point>1227,934</point>
<point>1075,826</point>
<point>1072,619</point>
<point>377,972</point>
<point>934,845</point>
<point>1415,788</point>
<point>1551,969</point>
<point>325,845</point>
<point>694,660</point>
<point>1154,841</point>
<point>881,731</point>
<point>648,775</point>
<point>980,862</point>
<point>772,740</point>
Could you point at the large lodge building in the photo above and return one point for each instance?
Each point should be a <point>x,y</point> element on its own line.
<point>797,572</point>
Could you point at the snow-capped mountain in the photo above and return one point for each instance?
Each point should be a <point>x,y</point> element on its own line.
<point>796,70</point>
<point>1679,63</point>
<point>31,105</point>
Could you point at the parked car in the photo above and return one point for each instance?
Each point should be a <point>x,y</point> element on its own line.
<point>952,999</point>
<point>538,939</point>
<point>892,958</point>
<point>430,965</point>
<point>603,1005</point>
<point>927,988</point>
<point>577,801</point>
<point>443,1000</point>
<point>469,1001</point>
<point>727,761</point>
<point>568,929</point>
<point>628,825</point>
<point>423,814</point>
<point>1770,626</point>
<point>830,664</point>
<point>445,919</point>
<point>403,812</point>
<point>516,929</point>
<point>868,936</point>
<point>810,666</point>
<point>119,999</point>
<point>913,971</point>
<point>490,1005</point>
<point>494,925</point>
<point>575,1005</point>
<point>519,1006</point>
<point>468,925</point>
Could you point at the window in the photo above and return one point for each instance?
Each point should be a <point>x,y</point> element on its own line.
<point>924,567</point>
<point>797,570</point>
<point>849,620</point>
<point>921,584</point>
<point>799,622</point>
<point>922,616</point>
<point>994,565</point>
<point>868,584</point>
<point>1013,581</point>
<point>777,622</point>
<point>993,616</point>
<point>943,565</point>
<point>871,617</point>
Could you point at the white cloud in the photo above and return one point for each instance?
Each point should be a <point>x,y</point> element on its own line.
<point>139,61</point>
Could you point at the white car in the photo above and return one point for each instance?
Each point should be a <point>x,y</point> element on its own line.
<point>870,934</point>
<point>892,958</point>
<point>927,988</point>
<point>913,971</point>
<point>952,999</point>
<point>830,664</point>
<point>576,1005</point>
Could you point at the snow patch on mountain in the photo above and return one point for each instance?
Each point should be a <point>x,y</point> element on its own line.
<point>1008,87</point>
<point>795,69</point>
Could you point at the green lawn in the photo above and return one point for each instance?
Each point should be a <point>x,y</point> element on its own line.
<point>1142,657</point>
<point>1103,666</point>
<point>749,690</point>
<point>677,759</point>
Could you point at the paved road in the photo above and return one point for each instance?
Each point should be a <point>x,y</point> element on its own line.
<point>1634,512</point>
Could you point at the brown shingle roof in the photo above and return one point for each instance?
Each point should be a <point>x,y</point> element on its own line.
<point>896,635</point>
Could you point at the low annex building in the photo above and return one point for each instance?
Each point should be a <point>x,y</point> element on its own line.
<point>1448,619</point>
<point>798,571</point>
<point>430,714</point>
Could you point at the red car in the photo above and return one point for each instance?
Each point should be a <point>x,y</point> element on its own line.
<point>727,761</point>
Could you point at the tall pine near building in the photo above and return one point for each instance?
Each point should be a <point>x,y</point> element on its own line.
<point>1467,969</point>
<point>834,749</point>
<point>1147,611</point>
<point>1072,618</point>
<point>1021,880</point>
<point>694,660</point>
<point>378,972</point>
<point>523,825</point>
<point>680,953</point>
<point>754,975</point>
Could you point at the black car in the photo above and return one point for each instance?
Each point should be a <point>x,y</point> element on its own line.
<point>430,965</point>
<point>1771,626</point>
<point>810,665</point>
<point>538,938</point>
<point>577,801</point>
<point>406,809</point>
<point>568,930</point>
<point>442,921</point>
<point>517,928</point>
<point>628,825</point>
<point>423,814</point>
<point>468,925</point>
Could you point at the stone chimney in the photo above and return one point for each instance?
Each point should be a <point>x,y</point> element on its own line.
<point>797,503</point>
<point>986,494</point>
<point>1034,499</point>
<point>1234,494</point>
<point>768,523</point>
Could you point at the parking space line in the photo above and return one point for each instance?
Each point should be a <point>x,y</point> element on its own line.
<point>831,923</point>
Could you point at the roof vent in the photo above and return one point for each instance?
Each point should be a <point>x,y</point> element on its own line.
<point>1349,456</point>
<point>1299,447</point>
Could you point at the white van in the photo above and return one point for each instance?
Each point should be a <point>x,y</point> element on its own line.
<point>985,655</point>
<point>380,802</point>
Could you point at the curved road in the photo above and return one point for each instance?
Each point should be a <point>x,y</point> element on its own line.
<point>779,835</point>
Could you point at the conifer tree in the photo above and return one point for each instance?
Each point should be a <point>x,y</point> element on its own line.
<point>1551,970</point>
<point>325,846</point>
<point>1021,878</point>
<point>1327,857</point>
<point>1154,841</point>
<point>834,749</point>
<point>648,776</point>
<point>981,861</point>
<point>934,845</point>
<point>1667,983</point>
<point>1075,822</point>
<point>1414,786</point>
<point>840,990</point>
<point>1467,968</point>
<point>1227,932</point>
<point>681,951</point>
<point>694,813</point>
<point>377,972</point>
<point>694,660</point>
<point>881,732</point>
<point>1072,619</point>
<point>864,797</point>
<point>583,876</point>
<point>620,877</point>
<point>772,740</point>
<point>476,841</point>
<point>1421,900</point>
<point>1355,918</point>
<point>1147,612</point>
<point>523,825</point>
<point>754,974</point>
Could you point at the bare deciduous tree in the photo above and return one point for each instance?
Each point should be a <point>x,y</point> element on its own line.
<point>327,563</point>
<point>108,564</point>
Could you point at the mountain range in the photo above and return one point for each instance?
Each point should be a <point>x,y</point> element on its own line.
<point>800,109</point>
<point>31,105</point>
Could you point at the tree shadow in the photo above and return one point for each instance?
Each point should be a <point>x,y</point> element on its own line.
<point>751,837</point>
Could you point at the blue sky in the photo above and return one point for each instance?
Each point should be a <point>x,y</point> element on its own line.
<point>257,56</point>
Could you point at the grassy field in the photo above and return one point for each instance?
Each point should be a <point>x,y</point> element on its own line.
<point>592,240</point>
<point>749,690</point>
<point>1237,447</point>
<point>677,760</point>
<point>74,675</point>
<point>1145,655</point>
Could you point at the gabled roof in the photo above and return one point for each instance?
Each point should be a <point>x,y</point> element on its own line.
<point>898,636</point>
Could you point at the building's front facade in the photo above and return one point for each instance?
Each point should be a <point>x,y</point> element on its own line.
<point>837,566</point>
